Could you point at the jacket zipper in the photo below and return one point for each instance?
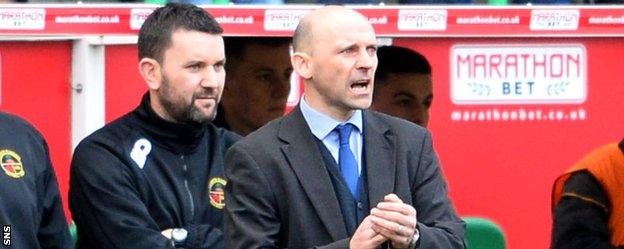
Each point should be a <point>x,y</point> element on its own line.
<point>188,190</point>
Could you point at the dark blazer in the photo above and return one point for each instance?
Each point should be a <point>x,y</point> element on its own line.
<point>279,194</point>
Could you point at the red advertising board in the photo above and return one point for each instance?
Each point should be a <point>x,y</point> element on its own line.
<point>518,125</point>
<point>520,93</point>
<point>35,86</point>
<point>124,85</point>
<point>392,21</point>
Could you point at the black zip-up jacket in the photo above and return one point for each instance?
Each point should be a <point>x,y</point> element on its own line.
<point>31,210</point>
<point>141,174</point>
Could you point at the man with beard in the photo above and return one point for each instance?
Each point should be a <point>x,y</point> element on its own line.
<point>152,178</point>
<point>258,83</point>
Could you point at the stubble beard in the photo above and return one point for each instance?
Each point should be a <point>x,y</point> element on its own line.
<point>181,112</point>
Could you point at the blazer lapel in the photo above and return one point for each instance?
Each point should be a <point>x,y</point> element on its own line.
<point>305,158</point>
<point>379,149</point>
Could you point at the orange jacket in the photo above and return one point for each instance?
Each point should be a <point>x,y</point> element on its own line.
<point>607,165</point>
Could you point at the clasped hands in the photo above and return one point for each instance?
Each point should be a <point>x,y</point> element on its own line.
<point>391,220</point>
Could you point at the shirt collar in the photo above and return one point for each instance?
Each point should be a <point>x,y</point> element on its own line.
<point>322,125</point>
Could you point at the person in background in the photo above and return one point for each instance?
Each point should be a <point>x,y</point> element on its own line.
<point>588,202</point>
<point>31,210</point>
<point>257,83</point>
<point>403,85</point>
<point>154,177</point>
<point>332,174</point>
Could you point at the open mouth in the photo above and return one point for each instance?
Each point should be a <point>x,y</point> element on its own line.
<point>360,85</point>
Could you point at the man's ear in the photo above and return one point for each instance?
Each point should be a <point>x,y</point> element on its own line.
<point>151,72</point>
<point>302,64</point>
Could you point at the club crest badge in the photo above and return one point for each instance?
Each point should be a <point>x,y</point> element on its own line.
<point>216,186</point>
<point>11,164</point>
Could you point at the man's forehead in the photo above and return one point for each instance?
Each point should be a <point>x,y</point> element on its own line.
<point>346,33</point>
<point>332,17</point>
<point>330,23</point>
<point>189,46</point>
<point>182,34</point>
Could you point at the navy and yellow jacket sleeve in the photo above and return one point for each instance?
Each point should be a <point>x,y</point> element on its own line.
<point>31,202</point>
<point>53,231</point>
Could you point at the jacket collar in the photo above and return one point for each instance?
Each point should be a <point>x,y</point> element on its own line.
<point>181,138</point>
<point>306,161</point>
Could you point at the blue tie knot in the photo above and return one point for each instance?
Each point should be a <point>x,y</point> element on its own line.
<point>344,132</point>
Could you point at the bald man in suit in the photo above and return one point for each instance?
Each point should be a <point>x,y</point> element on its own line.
<point>332,174</point>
